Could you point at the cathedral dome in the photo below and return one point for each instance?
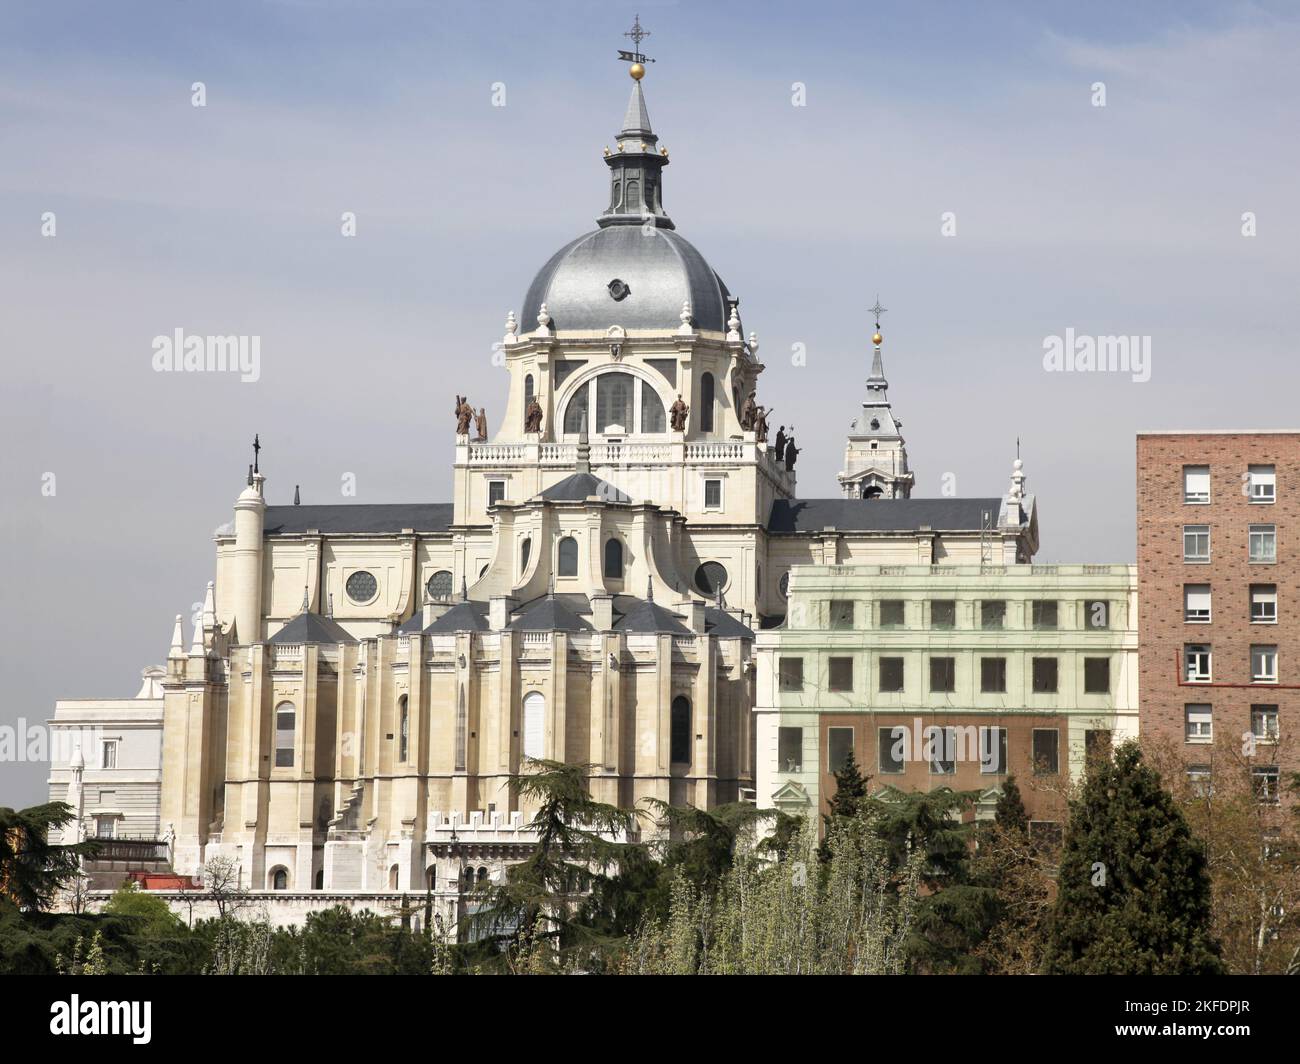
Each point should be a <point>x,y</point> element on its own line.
<point>629,275</point>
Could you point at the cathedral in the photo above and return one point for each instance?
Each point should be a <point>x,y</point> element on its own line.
<point>363,680</point>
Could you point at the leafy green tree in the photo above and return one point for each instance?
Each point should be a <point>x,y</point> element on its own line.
<point>1134,891</point>
<point>32,869</point>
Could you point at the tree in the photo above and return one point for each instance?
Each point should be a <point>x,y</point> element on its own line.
<point>1009,813</point>
<point>221,884</point>
<point>1134,890</point>
<point>32,869</point>
<point>149,916</point>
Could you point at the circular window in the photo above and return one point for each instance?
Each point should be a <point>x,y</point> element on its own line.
<point>362,586</point>
<point>784,585</point>
<point>711,578</point>
<point>439,585</point>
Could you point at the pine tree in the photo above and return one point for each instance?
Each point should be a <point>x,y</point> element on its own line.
<point>1133,891</point>
<point>32,869</point>
<point>1009,813</point>
<point>850,790</point>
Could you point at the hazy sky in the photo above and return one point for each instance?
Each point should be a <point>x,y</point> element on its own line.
<point>1122,219</point>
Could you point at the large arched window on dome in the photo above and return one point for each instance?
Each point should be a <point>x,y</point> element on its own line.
<point>706,403</point>
<point>624,405</point>
<point>614,401</point>
<point>575,414</point>
<point>567,562</point>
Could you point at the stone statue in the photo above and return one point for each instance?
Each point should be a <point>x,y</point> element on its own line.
<point>780,444</point>
<point>533,416</point>
<point>464,412</point>
<point>760,423</point>
<point>480,425</point>
<point>747,412</point>
<point>791,451</point>
<point>677,414</point>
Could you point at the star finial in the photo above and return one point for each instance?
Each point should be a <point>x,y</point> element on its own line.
<point>877,310</point>
<point>635,57</point>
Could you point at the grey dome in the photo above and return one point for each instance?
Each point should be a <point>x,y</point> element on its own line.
<point>659,268</point>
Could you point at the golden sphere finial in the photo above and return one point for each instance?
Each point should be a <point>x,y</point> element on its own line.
<point>636,71</point>
<point>877,338</point>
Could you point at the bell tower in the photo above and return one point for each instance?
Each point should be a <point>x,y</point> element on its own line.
<point>875,453</point>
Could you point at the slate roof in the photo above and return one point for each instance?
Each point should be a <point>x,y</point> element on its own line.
<point>644,615</point>
<point>312,628</point>
<point>359,518</point>
<point>551,613</point>
<point>722,624</point>
<point>465,616</point>
<point>578,486</point>
<point>881,515</point>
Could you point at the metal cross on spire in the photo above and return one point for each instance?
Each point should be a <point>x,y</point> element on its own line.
<point>877,310</point>
<point>638,35</point>
<point>257,450</point>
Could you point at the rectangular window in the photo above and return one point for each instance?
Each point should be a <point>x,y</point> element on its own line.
<point>1196,660</point>
<point>789,749</point>
<point>496,491</point>
<point>1196,543</point>
<point>943,675</point>
<point>892,746</point>
<point>1263,723</point>
<point>1199,723</point>
<point>891,674</point>
<point>1263,483</point>
<point>790,674</point>
<point>105,827</point>
<point>941,750</point>
<point>1196,603</point>
<point>1266,779</point>
<point>841,674</point>
<point>1263,664</point>
<point>1198,780</point>
<point>1096,614</point>
<point>1096,676</point>
<point>840,614</point>
<point>1263,543</point>
<point>1044,614</point>
<point>943,613</point>
<point>993,675</point>
<point>1263,604</point>
<point>1196,484</point>
<point>839,744</point>
<point>993,751</point>
<point>993,614</point>
<point>713,494</point>
<point>1046,751</point>
<point>1045,676</point>
<point>108,754</point>
<point>891,613</point>
<point>284,738</point>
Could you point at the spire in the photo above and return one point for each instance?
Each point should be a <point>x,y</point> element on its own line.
<point>196,647</point>
<point>636,167</point>
<point>583,462</point>
<point>636,122</point>
<point>306,602</point>
<point>649,589</point>
<point>297,498</point>
<point>178,640</point>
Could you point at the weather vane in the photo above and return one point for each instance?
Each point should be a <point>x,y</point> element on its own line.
<point>877,310</point>
<point>636,58</point>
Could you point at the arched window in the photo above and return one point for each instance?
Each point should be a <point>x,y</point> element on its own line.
<point>680,731</point>
<point>575,413</point>
<point>431,877</point>
<point>613,560</point>
<point>616,195</point>
<point>706,403</point>
<point>568,557</point>
<point>614,401</point>
<point>528,395</point>
<point>403,729</point>
<point>320,879</point>
<point>279,879</point>
<point>525,551</point>
<point>482,875</point>
<point>393,876</point>
<point>534,724</point>
<point>462,730</point>
<point>284,735</point>
<point>633,194</point>
<point>653,416</point>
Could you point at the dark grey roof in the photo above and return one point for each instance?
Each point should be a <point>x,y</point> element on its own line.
<point>552,613</point>
<point>369,518</point>
<point>412,624</point>
<point>578,486</point>
<point>660,268</point>
<point>465,616</point>
<point>312,628</point>
<point>881,515</point>
<point>644,615</point>
<point>723,625</point>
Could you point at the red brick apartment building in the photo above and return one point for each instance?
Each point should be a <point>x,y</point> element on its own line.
<point>1218,533</point>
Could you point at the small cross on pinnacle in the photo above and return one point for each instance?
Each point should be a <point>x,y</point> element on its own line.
<point>257,449</point>
<point>877,310</point>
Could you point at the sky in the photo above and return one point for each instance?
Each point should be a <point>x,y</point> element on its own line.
<point>997,174</point>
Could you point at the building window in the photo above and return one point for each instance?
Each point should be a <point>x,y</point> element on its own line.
<point>575,412</point>
<point>993,675</point>
<point>1263,723</point>
<point>1266,779</point>
<point>789,749</point>
<point>403,729</point>
<point>496,491</point>
<point>943,675</point>
<point>1199,718</point>
<point>941,750</point>
<point>439,584</point>
<point>841,674</point>
<point>943,614</point>
<point>790,674</point>
<point>1196,543</point>
<point>713,494</point>
<point>840,615</point>
<point>891,613</point>
<point>1263,543</point>
<point>279,879</point>
<point>680,752</point>
<point>706,403</point>
<point>613,560</point>
<point>1196,659</point>
<point>105,827</point>
<point>891,747</point>
<point>1263,664</point>
<point>891,674</point>
<point>993,614</point>
<point>534,725</point>
<point>1198,781</point>
<point>1096,613</point>
<point>1196,603</point>
<point>1043,614</point>
<point>1096,676</point>
<point>284,735</point>
<point>614,402</point>
<point>1046,751</point>
<point>431,878</point>
<point>993,751</point>
<point>525,552</point>
<point>710,578</point>
<point>567,562</point>
<point>1045,676</point>
<point>1263,604</point>
<point>462,730</point>
<point>653,416</point>
<point>839,745</point>
<point>1263,483</point>
<point>108,753</point>
<point>1196,484</point>
<point>394,876</point>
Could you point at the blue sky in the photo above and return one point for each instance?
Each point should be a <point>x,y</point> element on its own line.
<point>1117,220</point>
